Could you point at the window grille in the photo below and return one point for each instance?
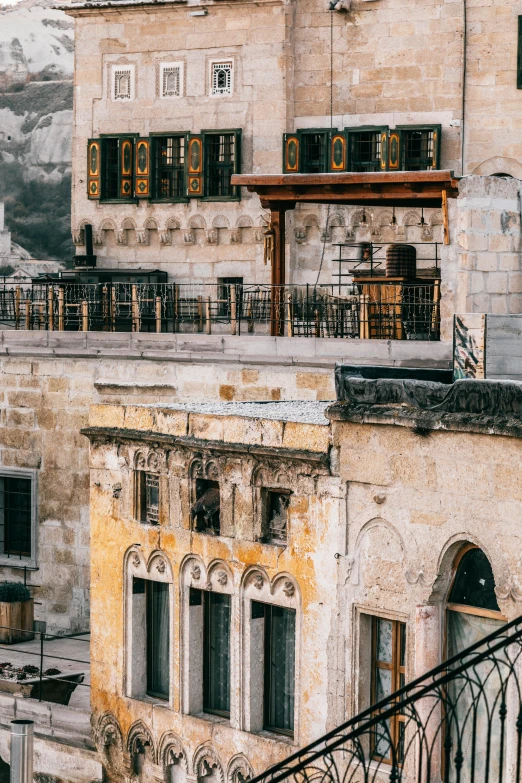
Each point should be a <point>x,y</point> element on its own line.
<point>170,81</point>
<point>419,149</point>
<point>216,653</point>
<point>15,516</point>
<point>222,78</point>
<point>170,167</point>
<point>313,153</point>
<point>388,675</point>
<point>147,498</point>
<point>122,84</point>
<point>221,153</point>
<point>365,151</point>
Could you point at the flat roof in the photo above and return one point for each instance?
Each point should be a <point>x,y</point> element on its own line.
<point>304,412</point>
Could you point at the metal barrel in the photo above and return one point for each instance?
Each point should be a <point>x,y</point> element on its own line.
<point>22,736</point>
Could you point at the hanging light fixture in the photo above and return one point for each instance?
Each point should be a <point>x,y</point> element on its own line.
<point>393,221</point>
<point>268,245</point>
<point>422,223</point>
<point>363,222</point>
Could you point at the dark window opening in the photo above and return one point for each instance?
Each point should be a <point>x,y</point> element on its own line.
<point>225,296</point>
<point>279,667</point>
<point>474,583</point>
<point>313,153</point>
<point>216,653</point>
<point>147,497</point>
<point>110,158</point>
<point>158,639</point>
<point>275,515</point>
<point>365,151</point>
<point>169,160</point>
<point>205,511</point>
<point>15,516</point>
<point>221,154</point>
<point>388,675</point>
<point>419,149</point>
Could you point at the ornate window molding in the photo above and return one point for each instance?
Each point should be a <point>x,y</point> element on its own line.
<point>221,77</point>
<point>171,80</point>
<point>122,82</point>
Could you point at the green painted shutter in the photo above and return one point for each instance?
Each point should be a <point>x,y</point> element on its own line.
<point>291,153</point>
<point>195,167</point>
<point>126,168</point>
<point>338,151</point>
<point>93,168</point>
<point>142,180</point>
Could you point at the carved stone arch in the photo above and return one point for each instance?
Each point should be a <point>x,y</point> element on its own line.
<point>244,221</point>
<point>140,460</point>
<point>413,573</point>
<point>139,733</point>
<point>197,221</point>
<point>108,739</point>
<point>336,221</point>
<point>193,571</point>
<point>196,468</point>
<point>212,470</point>
<point>499,165</point>
<point>384,218</point>
<point>159,566</point>
<point>84,222</point>
<point>239,769</point>
<point>134,559</point>
<point>207,765</point>
<point>255,576</point>
<point>357,216</point>
<point>170,747</point>
<point>220,576</point>
<point>260,476</point>
<point>436,218</point>
<point>287,585</point>
<point>151,224</point>
<point>107,225</point>
<point>128,224</point>
<point>220,221</point>
<point>172,224</point>
<point>156,460</point>
<point>311,221</point>
<point>411,218</point>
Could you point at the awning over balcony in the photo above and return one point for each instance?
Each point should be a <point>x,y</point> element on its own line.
<point>386,188</point>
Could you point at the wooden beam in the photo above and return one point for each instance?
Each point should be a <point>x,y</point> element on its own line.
<point>445,219</point>
<point>278,272</point>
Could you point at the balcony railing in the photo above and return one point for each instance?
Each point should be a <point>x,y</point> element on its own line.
<point>376,309</point>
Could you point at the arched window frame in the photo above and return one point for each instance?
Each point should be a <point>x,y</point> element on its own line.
<point>464,608</point>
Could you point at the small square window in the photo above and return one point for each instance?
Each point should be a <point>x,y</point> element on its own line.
<point>122,83</point>
<point>171,80</point>
<point>221,78</point>
<point>205,511</point>
<point>147,498</point>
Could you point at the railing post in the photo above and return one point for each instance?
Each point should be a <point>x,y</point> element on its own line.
<point>41,316</point>
<point>158,314</point>
<point>28,307</point>
<point>290,311</point>
<point>50,296</point>
<point>22,750</point>
<point>233,310</point>
<point>41,663</point>
<point>18,292</point>
<point>85,316</point>
<point>200,313</point>
<point>113,308</point>
<point>208,322</point>
<point>135,309</point>
<point>61,308</point>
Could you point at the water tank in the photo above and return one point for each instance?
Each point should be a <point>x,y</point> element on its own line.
<point>401,261</point>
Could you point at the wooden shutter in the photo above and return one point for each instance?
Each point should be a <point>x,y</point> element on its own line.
<point>143,162</point>
<point>291,153</point>
<point>93,168</point>
<point>126,168</point>
<point>384,150</point>
<point>437,135</point>
<point>338,152</point>
<point>195,167</point>
<point>394,150</point>
<point>236,192</point>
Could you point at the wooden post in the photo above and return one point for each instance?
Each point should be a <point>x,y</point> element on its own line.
<point>233,310</point>
<point>277,311</point>
<point>28,304</point>
<point>41,319</point>
<point>113,309</point>
<point>290,316</point>
<point>207,316</point>
<point>445,219</point>
<point>61,303</point>
<point>18,298</point>
<point>50,295</point>
<point>85,316</point>
<point>435,316</point>
<point>158,314</point>
<point>200,313</point>
<point>134,309</point>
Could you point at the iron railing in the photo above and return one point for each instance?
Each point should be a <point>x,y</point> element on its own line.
<point>378,308</point>
<point>459,723</point>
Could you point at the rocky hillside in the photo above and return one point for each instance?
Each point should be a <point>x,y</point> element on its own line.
<point>36,62</point>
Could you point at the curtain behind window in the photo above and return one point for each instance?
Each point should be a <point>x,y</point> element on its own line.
<point>474,698</point>
<point>158,639</point>
<point>217,653</point>
<point>282,668</point>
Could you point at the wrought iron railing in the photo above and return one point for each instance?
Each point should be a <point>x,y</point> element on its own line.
<point>459,723</point>
<point>378,309</point>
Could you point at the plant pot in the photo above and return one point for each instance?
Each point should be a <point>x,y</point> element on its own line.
<point>16,621</point>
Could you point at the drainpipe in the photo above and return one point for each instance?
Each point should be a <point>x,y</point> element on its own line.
<point>22,735</point>
<point>464,71</point>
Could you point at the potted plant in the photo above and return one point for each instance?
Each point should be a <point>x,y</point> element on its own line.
<point>16,613</point>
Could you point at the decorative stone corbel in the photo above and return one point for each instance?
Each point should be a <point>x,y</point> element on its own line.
<point>212,236</point>
<point>326,234</point>
<point>142,237</point>
<point>97,238</point>
<point>400,235</point>
<point>222,577</point>
<point>165,238</point>
<point>79,237</point>
<point>350,234</point>
<point>288,588</point>
<point>258,235</point>
<point>427,233</point>
<point>121,237</point>
<point>235,236</point>
<point>188,237</point>
<point>300,233</point>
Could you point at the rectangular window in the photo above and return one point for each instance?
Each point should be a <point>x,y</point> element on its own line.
<point>314,152</point>
<point>220,164</point>
<point>171,80</point>
<point>216,653</point>
<point>169,161</point>
<point>122,83</point>
<point>388,674</point>
<point>229,289</point>
<point>16,515</point>
<point>365,150</point>
<point>221,78</point>
<point>111,171</point>
<point>206,510</point>
<point>419,149</point>
<point>279,666</point>
<point>275,515</point>
<point>158,639</point>
<point>147,497</point>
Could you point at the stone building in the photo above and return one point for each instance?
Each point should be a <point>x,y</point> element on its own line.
<point>300,537</point>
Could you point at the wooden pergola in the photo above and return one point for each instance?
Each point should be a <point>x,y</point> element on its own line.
<point>281,192</point>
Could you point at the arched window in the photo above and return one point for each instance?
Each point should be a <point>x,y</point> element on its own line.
<point>474,583</point>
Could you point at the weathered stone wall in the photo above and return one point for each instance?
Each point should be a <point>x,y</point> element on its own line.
<point>49,379</point>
